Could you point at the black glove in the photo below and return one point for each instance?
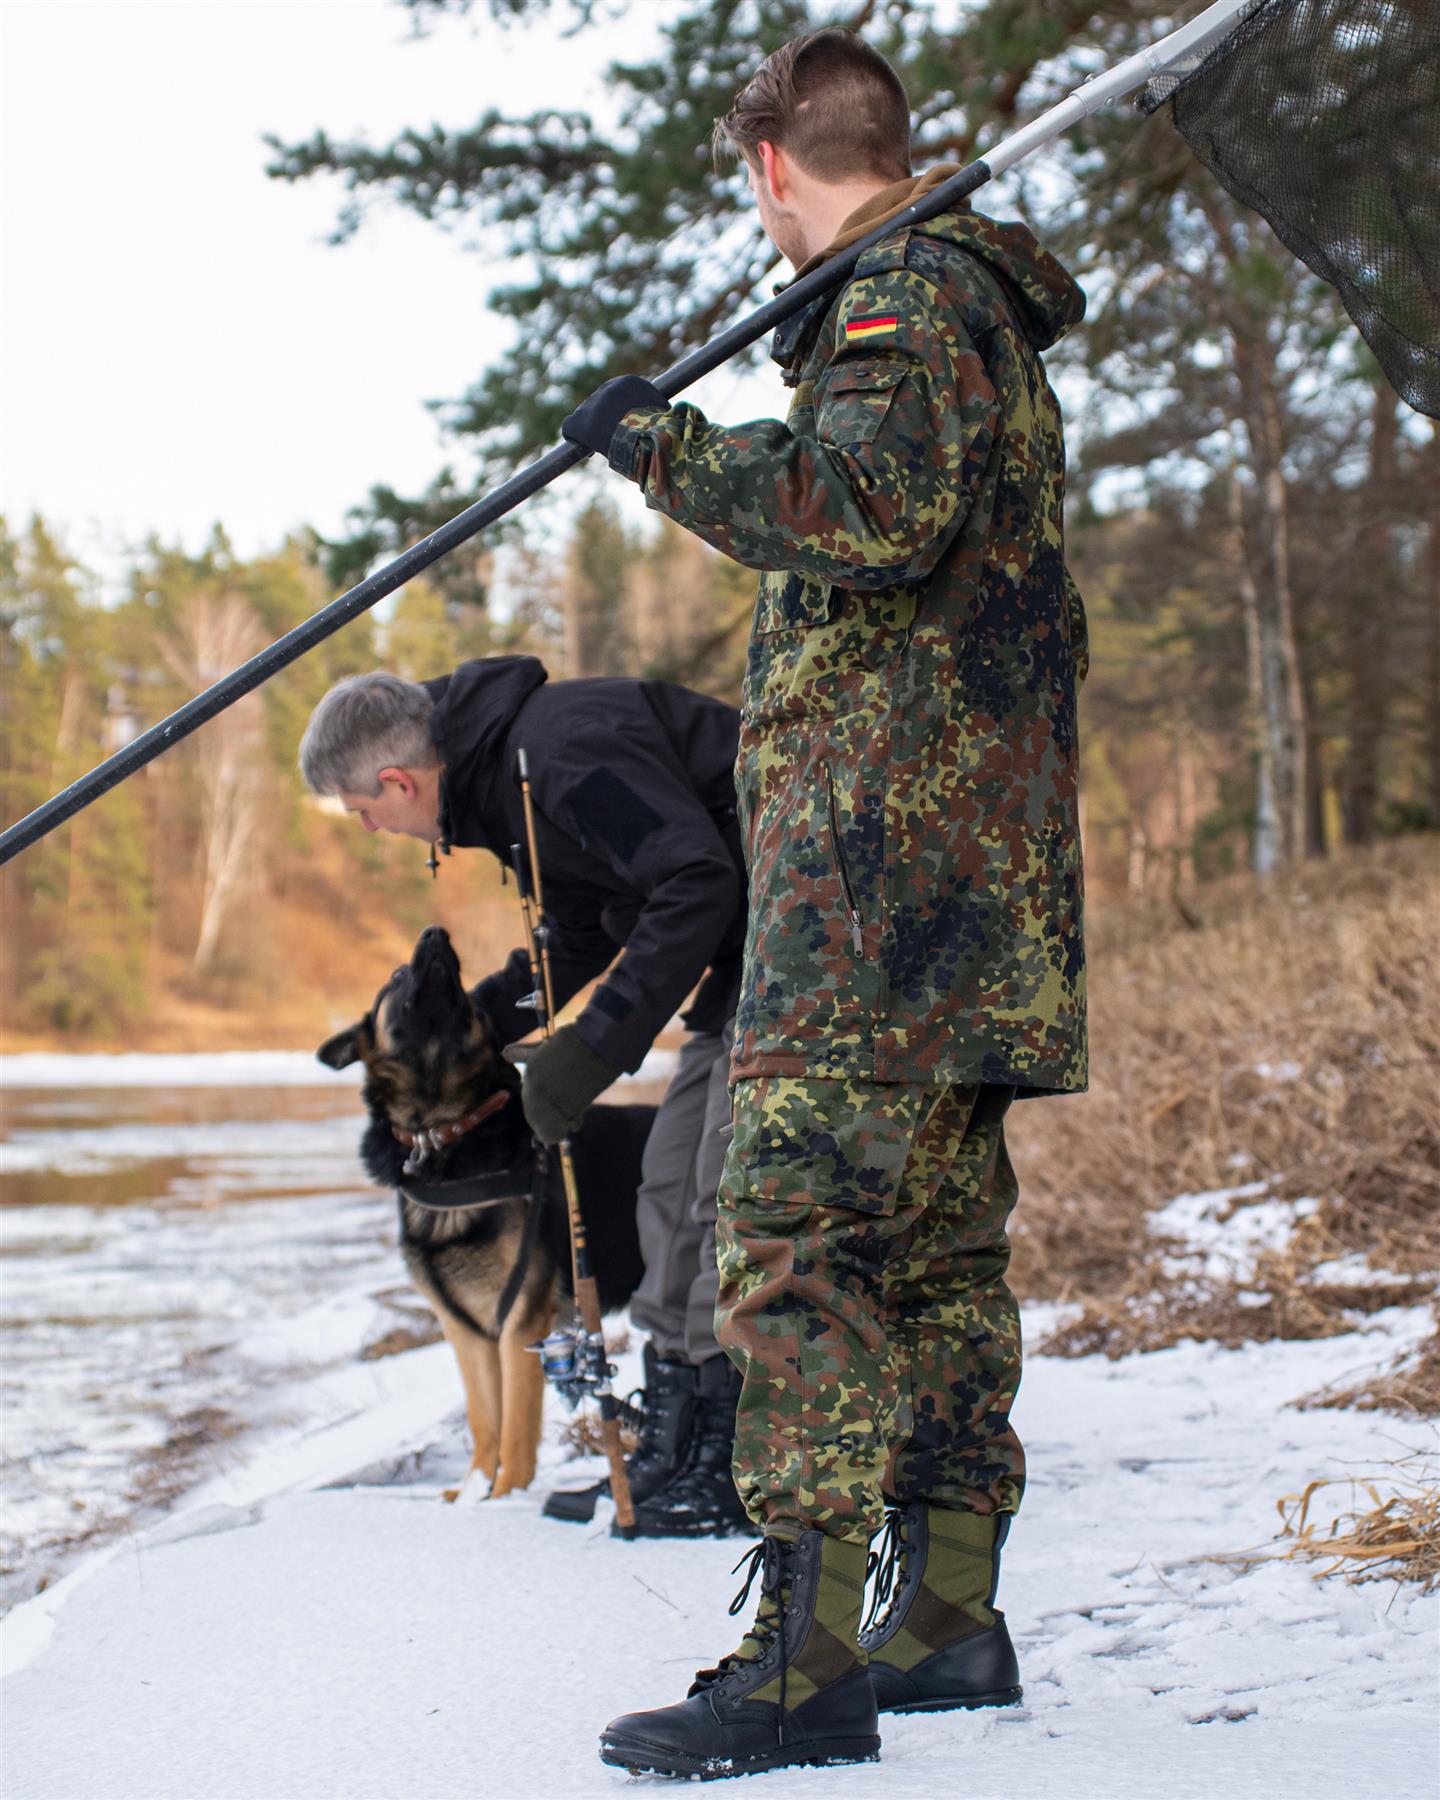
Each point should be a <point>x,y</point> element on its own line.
<point>593,422</point>
<point>560,1077</point>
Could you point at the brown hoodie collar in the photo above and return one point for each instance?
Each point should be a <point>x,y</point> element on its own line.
<point>885,204</point>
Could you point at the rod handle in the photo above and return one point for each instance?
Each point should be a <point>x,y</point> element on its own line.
<point>619,1475</point>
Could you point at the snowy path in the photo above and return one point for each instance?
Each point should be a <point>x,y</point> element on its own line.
<point>368,1641</point>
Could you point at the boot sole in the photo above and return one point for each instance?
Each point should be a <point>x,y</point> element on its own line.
<point>570,1516</point>
<point>644,1759</point>
<point>956,1703</point>
<point>710,1528</point>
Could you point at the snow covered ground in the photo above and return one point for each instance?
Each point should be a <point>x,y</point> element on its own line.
<point>315,1621</point>
<point>320,1623</point>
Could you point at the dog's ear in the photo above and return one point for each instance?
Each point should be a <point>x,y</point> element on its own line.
<point>348,1046</point>
<point>482,1018</point>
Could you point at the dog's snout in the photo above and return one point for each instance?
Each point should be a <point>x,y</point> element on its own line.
<point>432,946</point>
<point>434,966</point>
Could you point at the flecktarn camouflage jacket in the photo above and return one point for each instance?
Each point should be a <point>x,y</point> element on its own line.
<point>908,757</point>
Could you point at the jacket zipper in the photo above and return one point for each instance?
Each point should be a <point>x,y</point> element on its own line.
<point>841,867</point>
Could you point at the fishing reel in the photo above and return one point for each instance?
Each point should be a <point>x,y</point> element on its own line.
<point>575,1363</point>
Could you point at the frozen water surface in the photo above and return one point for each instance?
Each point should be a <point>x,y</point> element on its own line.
<point>188,1247</point>
<point>155,1242</point>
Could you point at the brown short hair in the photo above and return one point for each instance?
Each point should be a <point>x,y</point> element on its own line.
<point>834,105</point>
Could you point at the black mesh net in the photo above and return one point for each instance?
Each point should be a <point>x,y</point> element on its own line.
<point>1324,117</point>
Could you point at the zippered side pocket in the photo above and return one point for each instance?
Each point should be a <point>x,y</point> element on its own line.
<point>842,867</point>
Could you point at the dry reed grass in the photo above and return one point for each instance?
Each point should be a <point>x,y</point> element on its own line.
<point>580,1434</point>
<point>1396,1537</point>
<point>1410,1386</point>
<point>1287,1034</point>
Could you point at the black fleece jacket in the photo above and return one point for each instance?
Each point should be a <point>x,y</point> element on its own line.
<point>633,787</point>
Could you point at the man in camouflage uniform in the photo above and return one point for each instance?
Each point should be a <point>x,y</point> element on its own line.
<point>907,789</point>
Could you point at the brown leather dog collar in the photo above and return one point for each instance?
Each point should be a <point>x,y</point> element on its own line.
<point>439,1136</point>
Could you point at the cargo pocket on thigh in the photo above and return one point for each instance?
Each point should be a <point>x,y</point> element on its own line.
<point>804,1141</point>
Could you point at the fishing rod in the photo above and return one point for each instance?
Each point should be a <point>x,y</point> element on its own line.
<point>574,1359</point>
<point>1185,45</point>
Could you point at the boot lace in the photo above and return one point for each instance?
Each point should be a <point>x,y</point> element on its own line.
<point>769,1560</point>
<point>884,1563</point>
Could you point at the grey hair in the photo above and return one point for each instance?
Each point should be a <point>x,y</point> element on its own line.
<point>364,724</point>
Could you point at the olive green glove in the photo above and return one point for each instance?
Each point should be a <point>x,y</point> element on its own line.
<point>561,1076</point>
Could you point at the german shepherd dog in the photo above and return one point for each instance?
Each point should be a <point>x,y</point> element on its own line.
<point>483,1226</point>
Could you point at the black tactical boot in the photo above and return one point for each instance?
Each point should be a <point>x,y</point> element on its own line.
<point>700,1500</point>
<point>933,1637</point>
<point>796,1691</point>
<point>667,1409</point>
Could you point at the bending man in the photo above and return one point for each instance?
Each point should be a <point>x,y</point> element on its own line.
<point>639,850</point>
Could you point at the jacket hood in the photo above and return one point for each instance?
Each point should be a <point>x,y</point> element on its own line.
<point>1046,298</point>
<point>474,708</point>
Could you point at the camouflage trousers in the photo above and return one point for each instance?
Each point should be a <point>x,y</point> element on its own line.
<point>862,1255</point>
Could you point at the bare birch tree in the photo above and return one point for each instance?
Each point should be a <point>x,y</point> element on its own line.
<point>217,632</point>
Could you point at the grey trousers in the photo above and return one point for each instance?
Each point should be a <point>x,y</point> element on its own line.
<point>675,1207</point>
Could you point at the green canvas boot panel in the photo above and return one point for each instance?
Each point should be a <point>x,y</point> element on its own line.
<point>828,1650</point>
<point>933,1637</point>
<point>795,1691</point>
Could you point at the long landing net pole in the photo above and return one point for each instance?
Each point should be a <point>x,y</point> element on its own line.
<point>1186,45</point>
<point>587,1292</point>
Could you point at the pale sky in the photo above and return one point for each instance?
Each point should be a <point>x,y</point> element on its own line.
<point>178,344</point>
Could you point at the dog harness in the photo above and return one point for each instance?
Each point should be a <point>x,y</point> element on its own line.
<point>529,1177</point>
<point>462,1193</point>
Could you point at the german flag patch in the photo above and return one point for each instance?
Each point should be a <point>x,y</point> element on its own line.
<point>872,327</point>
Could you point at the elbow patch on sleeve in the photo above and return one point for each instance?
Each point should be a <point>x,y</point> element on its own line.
<point>614,1006</point>
<point>607,808</point>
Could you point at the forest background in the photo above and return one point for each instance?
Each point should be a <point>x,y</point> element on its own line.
<point>1254,522</point>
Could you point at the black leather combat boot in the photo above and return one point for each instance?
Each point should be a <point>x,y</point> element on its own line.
<point>933,1637</point>
<point>700,1500</point>
<point>796,1691</point>
<point>667,1410</point>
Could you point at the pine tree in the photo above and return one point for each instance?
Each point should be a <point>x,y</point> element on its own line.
<point>1216,364</point>
<point>639,246</point>
<point>597,571</point>
<point>78,905</point>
